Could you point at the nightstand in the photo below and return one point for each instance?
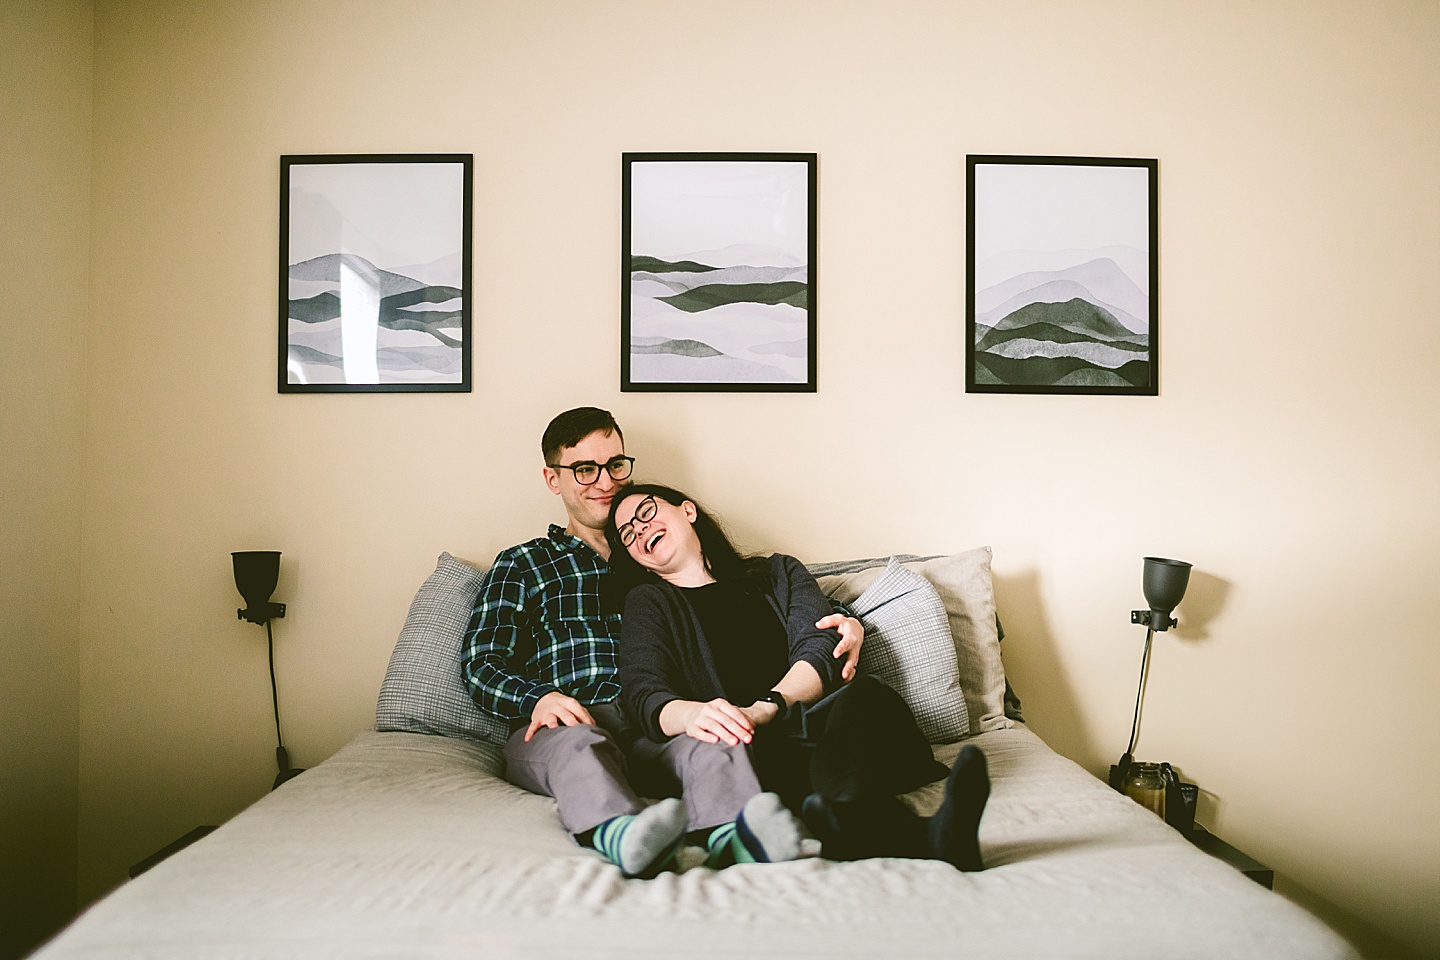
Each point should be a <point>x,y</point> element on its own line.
<point>170,850</point>
<point>1238,859</point>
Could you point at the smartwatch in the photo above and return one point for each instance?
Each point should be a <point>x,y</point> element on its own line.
<point>775,697</point>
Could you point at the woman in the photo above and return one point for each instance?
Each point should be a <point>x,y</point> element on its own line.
<point>722,648</point>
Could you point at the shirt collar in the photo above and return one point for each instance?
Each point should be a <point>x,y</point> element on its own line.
<point>571,542</point>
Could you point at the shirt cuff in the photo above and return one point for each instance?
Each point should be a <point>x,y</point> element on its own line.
<point>827,667</point>
<point>531,697</point>
<point>653,706</point>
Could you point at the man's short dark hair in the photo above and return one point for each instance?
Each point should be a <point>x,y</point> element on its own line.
<point>572,426</point>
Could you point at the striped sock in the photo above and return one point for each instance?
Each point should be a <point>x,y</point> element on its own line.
<point>644,843</point>
<point>723,847</point>
<point>765,832</point>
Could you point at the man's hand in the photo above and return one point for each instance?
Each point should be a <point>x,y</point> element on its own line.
<point>719,721</point>
<point>761,712</point>
<point>852,634</point>
<point>554,710</point>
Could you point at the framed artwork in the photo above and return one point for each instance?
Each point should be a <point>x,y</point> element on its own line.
<point>375,273</point>
<point>718,272</point>
<point>1062,275</point>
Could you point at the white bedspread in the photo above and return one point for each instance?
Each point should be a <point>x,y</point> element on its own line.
<point>404,845</point>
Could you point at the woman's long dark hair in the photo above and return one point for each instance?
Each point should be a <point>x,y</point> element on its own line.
<point>722,560</point>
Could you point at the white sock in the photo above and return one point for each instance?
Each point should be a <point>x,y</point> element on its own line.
<point>768,829</point>
<point>640,846</point>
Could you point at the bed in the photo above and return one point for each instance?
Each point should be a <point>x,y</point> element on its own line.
<point>409,843</point>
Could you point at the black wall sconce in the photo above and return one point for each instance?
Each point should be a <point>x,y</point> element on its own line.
<point>1164,583</point>
<point>256,574</point>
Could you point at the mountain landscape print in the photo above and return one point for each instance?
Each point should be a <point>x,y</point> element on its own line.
<point>1052,328</point>
<point>1050,313</point>
<point>375,288</point>
<point>717,271</point>
<point>411,329</point>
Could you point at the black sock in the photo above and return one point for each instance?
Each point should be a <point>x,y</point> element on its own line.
<point>821,816</point>
<point>870,826</point>
<point>955,828</point>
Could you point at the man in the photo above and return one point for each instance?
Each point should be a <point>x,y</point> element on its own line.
<point>540,654</point>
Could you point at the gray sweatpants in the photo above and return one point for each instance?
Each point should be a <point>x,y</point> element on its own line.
<point>584,768</point>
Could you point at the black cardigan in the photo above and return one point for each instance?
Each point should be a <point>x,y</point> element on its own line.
<point>664,655</point>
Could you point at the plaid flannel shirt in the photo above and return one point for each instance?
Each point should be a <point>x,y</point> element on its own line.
<point>537,627</point>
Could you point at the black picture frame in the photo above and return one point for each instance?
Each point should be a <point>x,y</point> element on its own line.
<point>375,273</point>
<point>734,218</point>
<point>1062,275</point>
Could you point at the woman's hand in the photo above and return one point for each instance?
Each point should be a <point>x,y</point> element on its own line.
<point>719,721</point>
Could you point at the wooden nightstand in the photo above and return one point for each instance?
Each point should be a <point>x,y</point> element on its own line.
<point>169,850</point>
<point>1238,859</point>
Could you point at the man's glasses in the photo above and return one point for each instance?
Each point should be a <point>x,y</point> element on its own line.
<point>644,512</point>
<point>588,471</point>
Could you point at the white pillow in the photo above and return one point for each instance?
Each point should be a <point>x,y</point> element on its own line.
<point>422,691</point>
<point>963,582</point>
<point>908,645</point>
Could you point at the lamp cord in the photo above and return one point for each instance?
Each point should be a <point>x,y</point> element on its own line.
<point>274,694</point>
<point>1139,693</point>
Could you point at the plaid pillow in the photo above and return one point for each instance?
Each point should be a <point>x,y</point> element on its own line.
<point>422,691</point>
<point>908,645</point>
<point>964,584</point>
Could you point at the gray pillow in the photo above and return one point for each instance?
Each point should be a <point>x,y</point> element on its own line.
<point>1013,709</point>
<point>422,691</point>
<point>965,587</point>
<point>908,645</point>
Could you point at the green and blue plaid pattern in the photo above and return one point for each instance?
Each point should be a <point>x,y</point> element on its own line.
<point>537,627</point>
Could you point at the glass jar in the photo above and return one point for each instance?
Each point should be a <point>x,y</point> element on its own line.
<point>1146,786</point>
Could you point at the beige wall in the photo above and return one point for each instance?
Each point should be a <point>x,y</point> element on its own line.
<point>45,89</point>
<point>1293,453</point>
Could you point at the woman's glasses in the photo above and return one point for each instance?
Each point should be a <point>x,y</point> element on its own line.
<point>588,471</point>
<point>644,512</point>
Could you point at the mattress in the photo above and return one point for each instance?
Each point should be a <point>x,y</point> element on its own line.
<point>405,845</point>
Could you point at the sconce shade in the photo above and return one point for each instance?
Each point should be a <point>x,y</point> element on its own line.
<point>256,574</point>
<point>1165,582</point>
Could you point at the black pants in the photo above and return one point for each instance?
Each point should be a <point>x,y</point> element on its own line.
<point>860,745</point>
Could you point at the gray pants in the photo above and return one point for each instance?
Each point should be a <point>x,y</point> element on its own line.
<point>584,768</point>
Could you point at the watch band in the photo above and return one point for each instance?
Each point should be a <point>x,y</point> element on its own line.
<point>777,698</point>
